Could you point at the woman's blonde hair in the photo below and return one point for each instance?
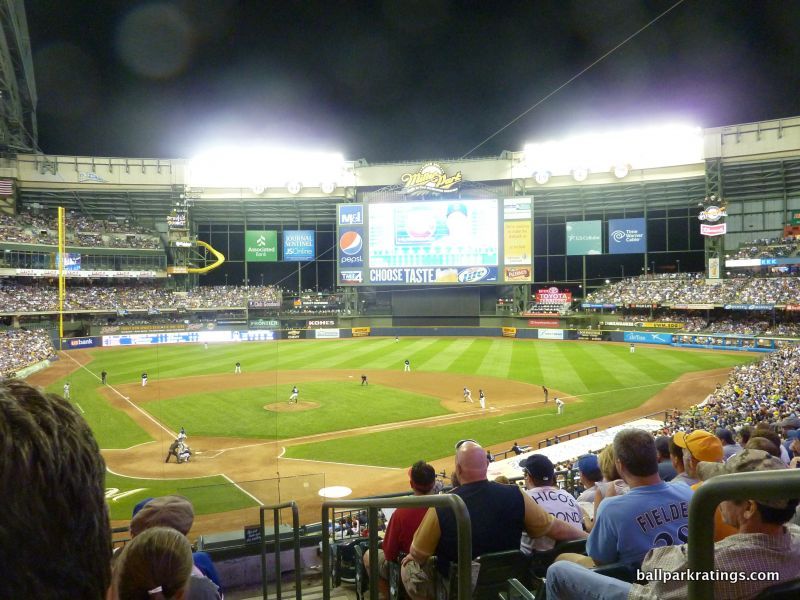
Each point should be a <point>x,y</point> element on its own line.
<point>155,565</point>
<point>607,467</point>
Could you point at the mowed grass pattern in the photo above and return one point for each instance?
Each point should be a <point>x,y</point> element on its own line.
<point>606,376</point>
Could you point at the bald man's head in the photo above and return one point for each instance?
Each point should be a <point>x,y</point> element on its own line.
<point>471,462</point>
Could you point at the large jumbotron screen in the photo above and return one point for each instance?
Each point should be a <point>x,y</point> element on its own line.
<point>457,241</point>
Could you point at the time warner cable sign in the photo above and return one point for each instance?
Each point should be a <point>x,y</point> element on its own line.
<point>298,245</point>
<point>627,236</point>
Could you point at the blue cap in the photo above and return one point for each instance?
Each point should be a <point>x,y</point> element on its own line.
<point>139,506</point>
<point>589,464</point>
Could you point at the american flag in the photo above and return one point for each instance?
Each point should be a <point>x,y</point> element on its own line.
<point>6,187</point>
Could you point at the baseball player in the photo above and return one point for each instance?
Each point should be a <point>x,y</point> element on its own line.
<point>173,451</point>
<point>103,377</point>
<point>364,380</point>
<point>467,395</point>
<point>237,368</point>
<point>406,366</point>
<point>182,435</point>
<point>205,346</point>
<point>546,393</point>
<point>396,339</point>
<point>66,390</point>
<point>559,406</point>
<point>482,399</point>
<point>293,397</point>
<point>633,348</point>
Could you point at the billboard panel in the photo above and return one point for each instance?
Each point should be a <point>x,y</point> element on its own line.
<point>461,233</point>
<point>521,274</point>
<point>627,236</point>
<point>351,214</point>
<point>417,276</point>
<point>350,247</point>
<point>517,208</point>
<point>583,237</point>
<point>261,246</point>
<point>298,245</point>
<point>517,242</point>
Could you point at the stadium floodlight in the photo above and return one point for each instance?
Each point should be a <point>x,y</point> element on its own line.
<point>261,167</point>
<point>634,148</point>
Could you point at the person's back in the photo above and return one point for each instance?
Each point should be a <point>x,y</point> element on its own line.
<point>558,503</point>
<point>497,515</point>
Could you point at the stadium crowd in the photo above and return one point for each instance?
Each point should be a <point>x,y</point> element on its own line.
<point>28,228</point>
<point>768,248</point>
<point>693,289</point>
<point>20,348</point>
<point>23,298</point>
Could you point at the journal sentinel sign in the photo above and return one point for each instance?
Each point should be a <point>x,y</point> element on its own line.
<point>627,236</point>
<point>298,245</point>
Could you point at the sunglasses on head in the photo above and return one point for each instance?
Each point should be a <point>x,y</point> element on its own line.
<point>462,442</point>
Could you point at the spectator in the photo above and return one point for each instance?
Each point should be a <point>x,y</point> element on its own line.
<point>156,564</point>
<point>676,458</point>
<point>666,470</point>
<point>697,446</point>
<point>403,523</point>
<point>177,512</point>
<point>56,538</point>
<point>624,526</point>
<point>729,446</point>
<point>590,476</point>
<point>762,443</point>
<point>499,514</point>
<point>540,485</point>
<point>762,544</point>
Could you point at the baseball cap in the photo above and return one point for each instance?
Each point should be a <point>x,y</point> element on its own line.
<point>539,467</point>
<point>744,462</point>
<point>589,464</point>
<point>166,511</point>
<point>703,445</point>
<point>790,423</point>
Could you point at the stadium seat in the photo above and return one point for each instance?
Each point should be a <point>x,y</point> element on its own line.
<point>541,560</point>
<point>783,591</point>
<point>343,567</point>
<point>396,589</point>
<point>621,571</point>
<point>495,570</point>
<point>361,577</point>
<point>516,591</point>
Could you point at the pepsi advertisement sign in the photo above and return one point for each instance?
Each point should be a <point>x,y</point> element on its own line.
<point>627,236</point>
<point>351,214</point>
<point>298,245</point>
<point>351,247</point>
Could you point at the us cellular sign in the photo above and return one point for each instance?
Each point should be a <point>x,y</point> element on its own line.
<point>627,236</point>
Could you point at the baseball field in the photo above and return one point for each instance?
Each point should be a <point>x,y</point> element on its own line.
<point>251,445</point>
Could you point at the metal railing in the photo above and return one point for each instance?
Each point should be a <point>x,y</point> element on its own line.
<point>567,436</point>
<point>764,485</point>
<point>451,501</point>
<point>276,511</point>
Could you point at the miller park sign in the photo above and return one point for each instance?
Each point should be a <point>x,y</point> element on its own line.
<point>430,179</point>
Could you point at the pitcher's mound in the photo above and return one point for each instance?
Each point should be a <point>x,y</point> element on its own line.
<point>286,407</point>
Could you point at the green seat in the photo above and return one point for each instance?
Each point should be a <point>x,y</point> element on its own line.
<point>495,570</point>
<point>541,560</point>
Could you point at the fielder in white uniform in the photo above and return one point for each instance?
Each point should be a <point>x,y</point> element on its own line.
<point>482,398</point>
<point>66,391</point>
<point>559,406</point>
<point>237,368</point>
<point>406,366</point>
<point>293,397</point>
<point>467,395</point>
<point>633,348</point>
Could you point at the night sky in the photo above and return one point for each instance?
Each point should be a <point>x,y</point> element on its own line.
<point>397,80</point>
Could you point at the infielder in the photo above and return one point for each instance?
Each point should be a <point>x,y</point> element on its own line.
<point>559,406</point>
<point>144,379</point>
<point>364,380</point>
<point>482,398</point>
<point>467,395</point>
<point>293,397</point>
<point>66,390</point>
<point>406,366</point>
<point>237,368</point>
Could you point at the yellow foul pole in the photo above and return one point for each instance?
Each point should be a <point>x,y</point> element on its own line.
<point>61,282</point>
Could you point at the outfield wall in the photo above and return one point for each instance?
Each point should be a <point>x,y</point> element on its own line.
<point>683,340</point>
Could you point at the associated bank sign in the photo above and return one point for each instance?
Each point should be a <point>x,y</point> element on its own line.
<point>627,236</point>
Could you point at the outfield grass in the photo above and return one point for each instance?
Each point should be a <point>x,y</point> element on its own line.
<point>209,495</point>
<point>342,405</point>
<point>574,368</point>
